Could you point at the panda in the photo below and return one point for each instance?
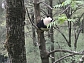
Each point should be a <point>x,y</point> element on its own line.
<point>43,23</point>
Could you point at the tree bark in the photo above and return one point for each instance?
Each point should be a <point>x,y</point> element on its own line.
<point>15,16</point>
<point>51,32</point>
<point>33,31</point>
<point>41,40</point>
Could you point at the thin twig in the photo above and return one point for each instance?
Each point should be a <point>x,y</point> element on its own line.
<point>62,35</point>
<point>63,58</point>
<point>76,38</point>
<point>63,10</point>
<point>67,51</point>
<point>45,4</point>
<point>30,19</point>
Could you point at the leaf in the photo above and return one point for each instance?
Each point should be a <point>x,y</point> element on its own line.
<point>62,18</point>
<point>58,6</point>
<point>74,5</point>
<point>79,2</point>
<point>48,25</point>
<point>54,23</point>
<point>73,20</point>
<point>66,2</point>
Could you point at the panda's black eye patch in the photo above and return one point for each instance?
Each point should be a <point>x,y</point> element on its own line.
<point>51,21</point>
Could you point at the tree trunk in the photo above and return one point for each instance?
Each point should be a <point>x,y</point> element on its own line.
<point>51,33</point>
<point>69,14</point>
<point>33,31</point>
<point>41,41</point>
<point>15,16</point>
<point>82,25</point>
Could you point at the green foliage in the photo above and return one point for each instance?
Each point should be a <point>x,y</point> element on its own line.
<point>79,2</point>
<point>60,20</point>
<point>66,2</point>
<point>73,3</point>
<point>73,20</point>
<point>58,6</point>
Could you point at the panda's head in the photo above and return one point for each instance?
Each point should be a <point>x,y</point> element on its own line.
<point>47,20</point>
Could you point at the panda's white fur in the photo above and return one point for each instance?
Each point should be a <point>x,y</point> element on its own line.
<point>47,20</point>
<point>42,24</point>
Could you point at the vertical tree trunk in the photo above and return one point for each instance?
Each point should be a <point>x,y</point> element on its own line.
<point>42,46</point>
<point>69,14</point>
<point>51,32</point>
<point>15,16</point>
<point>82,25</point>
<point>33,31</point>
<point>70,33</point>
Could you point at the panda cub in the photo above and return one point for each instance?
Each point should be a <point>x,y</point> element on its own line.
<point>43,23</point>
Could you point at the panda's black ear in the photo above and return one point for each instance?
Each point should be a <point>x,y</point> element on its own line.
<point>48,15</point>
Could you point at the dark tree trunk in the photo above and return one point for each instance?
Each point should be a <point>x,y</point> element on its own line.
<point>41,41</point>
<point>83,25</point>
<point>42,47</point>
<point>69,33</point>
<point>69,14</point>
<point>15,16</point>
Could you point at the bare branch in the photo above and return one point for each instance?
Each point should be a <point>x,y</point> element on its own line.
<point>66,51</point>
<point>30,19</point>
<point>62,35</point>
<point>63,58</point>
<point>81,59</point>
<point>63,10</point>
<point>72,53</point>
<point>45,4</point>
<point>76,38</point>
<point>44,12</point>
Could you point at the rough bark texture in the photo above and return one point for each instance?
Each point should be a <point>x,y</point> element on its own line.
<point>15,15</point>
<point>42,46</point>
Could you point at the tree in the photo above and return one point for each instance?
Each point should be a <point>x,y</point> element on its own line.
<point>51,31</point>
<point>41,40</point>
<point>15,43</point>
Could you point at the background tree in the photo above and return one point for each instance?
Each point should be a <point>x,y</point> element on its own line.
<point>41,39</point>
<point>15,44</point>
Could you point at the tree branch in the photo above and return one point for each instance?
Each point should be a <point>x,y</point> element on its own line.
<point>76,38</point>
<point>77,35</point>
<point>62,35</point>
<point>44,12</point>
<point>81,59</point>
<point>66,51</point>
<point>63,10</point>
<point>63,58</point>
<point>45,4</point>
<point>30,19</point>
<point>72,53</point>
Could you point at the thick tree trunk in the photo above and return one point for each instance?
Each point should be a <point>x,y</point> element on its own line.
<point>42,47</point>
<point>15,15</point>
<point>41,41</point>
